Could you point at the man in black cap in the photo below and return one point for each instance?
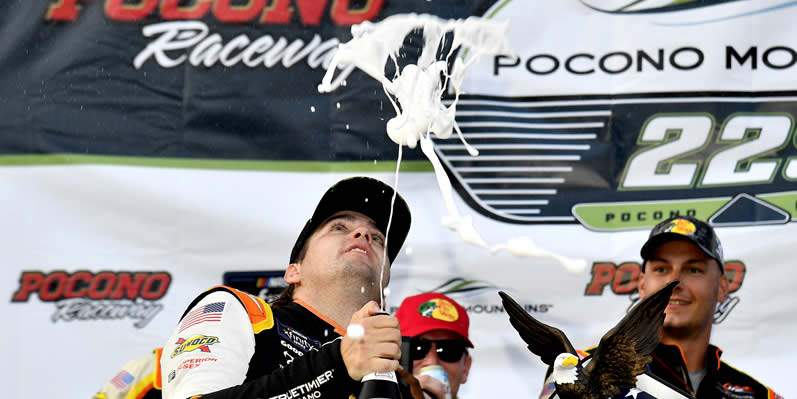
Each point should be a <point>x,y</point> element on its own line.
<point>686,249</point>
<point>230,344</point>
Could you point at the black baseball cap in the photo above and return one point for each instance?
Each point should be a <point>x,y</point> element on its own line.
<point>685,228</point>
<point>365,195</point>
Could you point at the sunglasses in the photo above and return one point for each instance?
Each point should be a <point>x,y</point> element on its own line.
<point>448,350</point>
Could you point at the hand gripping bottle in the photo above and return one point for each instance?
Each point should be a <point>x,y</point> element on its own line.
<point>380,385</point>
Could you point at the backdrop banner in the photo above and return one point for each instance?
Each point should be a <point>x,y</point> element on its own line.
<point>151,149</point>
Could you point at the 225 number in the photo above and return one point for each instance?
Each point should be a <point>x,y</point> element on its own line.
<point>670,138</point>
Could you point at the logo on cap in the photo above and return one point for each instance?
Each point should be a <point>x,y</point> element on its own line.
<point>681,226</point>
<point>440,309</point>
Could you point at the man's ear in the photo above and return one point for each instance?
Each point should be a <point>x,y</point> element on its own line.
<point>641,284</point>
<point>293,273</point>
<point>724,288</point>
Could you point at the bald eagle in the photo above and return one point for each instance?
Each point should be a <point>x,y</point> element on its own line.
<point>622,354</point>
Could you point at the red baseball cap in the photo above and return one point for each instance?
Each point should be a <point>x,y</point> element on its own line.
<point>422,313</point>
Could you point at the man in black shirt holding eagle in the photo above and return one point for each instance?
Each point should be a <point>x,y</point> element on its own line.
<point>688,250</point>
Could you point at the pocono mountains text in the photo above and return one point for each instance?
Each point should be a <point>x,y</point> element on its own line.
<point>684,58</point>
<point>85,296</point>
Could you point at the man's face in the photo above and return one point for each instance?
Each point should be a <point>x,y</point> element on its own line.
<point>457,370</point>
<point>702,285</point>
<point>346,248</point>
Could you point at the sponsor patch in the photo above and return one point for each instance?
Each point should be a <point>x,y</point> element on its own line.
<point>194,363</point>
<point>738,391</point>
<point>681,226</point>
<point>297,338</point>
<point>122,380</point>
<point>211,312</point>
<point>439,309</point>
<point>291,347</point>
<point>309,389</point>
<point>201,342</point>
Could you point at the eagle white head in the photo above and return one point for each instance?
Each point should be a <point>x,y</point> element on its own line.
<point>564,368</point>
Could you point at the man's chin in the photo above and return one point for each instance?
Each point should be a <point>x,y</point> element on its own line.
<point>678,328</point>
<point>364,271</point>
<point>674,321</point>
<point>364,279</point>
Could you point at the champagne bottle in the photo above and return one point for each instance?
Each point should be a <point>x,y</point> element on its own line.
<point>380,385</point>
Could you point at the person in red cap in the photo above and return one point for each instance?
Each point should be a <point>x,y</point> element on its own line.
<point>437,327</point>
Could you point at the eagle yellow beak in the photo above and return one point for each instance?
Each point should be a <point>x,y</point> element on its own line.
<point>570,361</point>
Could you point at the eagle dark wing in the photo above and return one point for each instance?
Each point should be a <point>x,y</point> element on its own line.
<point>624,351</point>
<point>543,340</point>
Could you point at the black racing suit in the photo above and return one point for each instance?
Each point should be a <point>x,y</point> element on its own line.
<point>720,382</point>
<point>295,355</point>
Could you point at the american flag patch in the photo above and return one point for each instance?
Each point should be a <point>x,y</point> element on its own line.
<point>122,380</point>
<point>547,390</point>
<point>206,313</point>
